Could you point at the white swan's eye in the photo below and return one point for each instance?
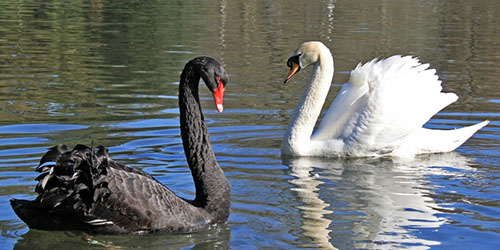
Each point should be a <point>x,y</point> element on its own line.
<point>293,59</point>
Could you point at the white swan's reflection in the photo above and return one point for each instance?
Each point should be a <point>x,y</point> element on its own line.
<point>314,225</point>
<point>366,203</point>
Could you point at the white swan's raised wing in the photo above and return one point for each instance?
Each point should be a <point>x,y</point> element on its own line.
<point>347,105</point>
<point>384,102</point>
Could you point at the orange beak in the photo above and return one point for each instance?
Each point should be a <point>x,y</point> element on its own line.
<point>218,95</point>
<point>294,69</point>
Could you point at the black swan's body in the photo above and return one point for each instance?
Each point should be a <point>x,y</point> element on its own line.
<point>83,189</point>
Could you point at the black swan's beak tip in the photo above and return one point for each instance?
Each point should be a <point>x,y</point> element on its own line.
<point>220,108</point>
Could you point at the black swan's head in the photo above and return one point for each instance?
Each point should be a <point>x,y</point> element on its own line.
<point>214,76</point>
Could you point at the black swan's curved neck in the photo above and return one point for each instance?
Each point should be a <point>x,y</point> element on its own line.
<point>212,187</point>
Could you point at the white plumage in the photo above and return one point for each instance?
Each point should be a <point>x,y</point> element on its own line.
<point>380,111</point>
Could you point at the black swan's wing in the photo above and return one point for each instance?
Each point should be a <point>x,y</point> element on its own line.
<point>64,188</point>
<point>80,189</point>
<point>137,202</point>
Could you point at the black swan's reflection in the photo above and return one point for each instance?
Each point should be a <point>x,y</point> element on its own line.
<point>366,202</point>
<point>216,237</point>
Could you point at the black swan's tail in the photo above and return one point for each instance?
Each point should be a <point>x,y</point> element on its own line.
<point>69,183</point>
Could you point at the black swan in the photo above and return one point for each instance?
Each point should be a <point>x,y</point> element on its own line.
<point>84,189</point>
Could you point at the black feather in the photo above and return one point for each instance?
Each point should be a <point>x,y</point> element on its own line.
<point>52,155</point>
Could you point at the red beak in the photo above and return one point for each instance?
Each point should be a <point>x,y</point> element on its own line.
<point>218,95</point>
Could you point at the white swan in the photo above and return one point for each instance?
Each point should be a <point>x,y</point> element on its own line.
<point>380,111</point>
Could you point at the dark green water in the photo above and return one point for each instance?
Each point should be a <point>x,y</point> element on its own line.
<point>108,71</point>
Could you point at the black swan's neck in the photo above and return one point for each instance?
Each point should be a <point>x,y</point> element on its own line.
<point>212,187</point>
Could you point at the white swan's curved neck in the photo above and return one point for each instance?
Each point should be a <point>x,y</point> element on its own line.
<point>298,135</point>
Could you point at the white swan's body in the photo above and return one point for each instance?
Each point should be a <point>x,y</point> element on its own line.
<point>380,111</point>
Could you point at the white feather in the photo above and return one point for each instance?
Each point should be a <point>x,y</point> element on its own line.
<point>99,222</point>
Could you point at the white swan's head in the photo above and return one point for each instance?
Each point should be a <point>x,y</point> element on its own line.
<point>306,54</point>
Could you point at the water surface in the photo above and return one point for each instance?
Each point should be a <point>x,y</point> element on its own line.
<point>108,71</point>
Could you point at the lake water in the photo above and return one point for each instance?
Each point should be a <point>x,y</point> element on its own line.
<point>108,71</point>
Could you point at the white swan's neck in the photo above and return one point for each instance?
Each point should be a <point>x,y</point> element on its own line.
<point>297,138</point>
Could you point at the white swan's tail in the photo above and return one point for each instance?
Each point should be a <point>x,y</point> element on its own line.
<point>438,141</point>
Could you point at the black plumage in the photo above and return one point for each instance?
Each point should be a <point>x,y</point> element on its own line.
<point>84,189</point>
